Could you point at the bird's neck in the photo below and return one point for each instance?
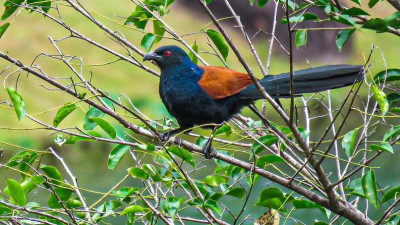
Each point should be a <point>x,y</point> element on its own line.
<point>186,70</point>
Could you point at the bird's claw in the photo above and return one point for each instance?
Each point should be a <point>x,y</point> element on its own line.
<point>165,136</point>
<point>209,152</point>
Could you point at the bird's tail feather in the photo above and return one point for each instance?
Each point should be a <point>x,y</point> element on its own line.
<point>306,81</point>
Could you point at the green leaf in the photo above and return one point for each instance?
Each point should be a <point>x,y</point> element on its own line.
<point>18,103</point>
<point>208,1</point>
<point>262,3</point>
<point>271,198</point>
<point>159,31</point>
<point>44,4</point>
<point>148,41</point>
<point>358,2</point>
<point>137,18</point>
<point>301,38</point>
<point>3,29</point>
<point>224,129</point>
<point>219,42</point>
<point>53,173</point>
<point>370,188</point>
<point>116,155</point>
<point>105,126</point>
<point>213,180</point>
<point>354,11</point>
<point>349,142</point>
<point>192,56</point>
<point>132,209</point>
<point>31,183</point>
<point>383,147</point>
<point>392,193</point>
<point>393,99</point>
<point>393,20</point>
<point>92,112</point>
<point>62,193</point>
<point>267,141</point>
<point>17,192</point>
<point>268,159</point>
<point>213,205</point>
<point>183,154</point>
<point>377,24</point>
<point>304,204</point>
<point>355,186</point>
<point>372,3</point>
<point>252,2</point>
<point>392,133</point>
<point>62,113</point>
<point>342,38</point>
<point>345,19</point>
<point>300,18</point>
<point>138,173</point>
<point>381,98</point>
<point>10,7</point>
<point>388,76</point>
<point>237,192</point>
<point>171,205</point>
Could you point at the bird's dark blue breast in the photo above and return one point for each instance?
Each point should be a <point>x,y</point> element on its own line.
<point>186,100</point>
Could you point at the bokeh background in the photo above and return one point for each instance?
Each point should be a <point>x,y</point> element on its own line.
<point>28,35</point>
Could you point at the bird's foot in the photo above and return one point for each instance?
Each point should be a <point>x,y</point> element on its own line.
<point>165,136</point>
<point>209,151</point>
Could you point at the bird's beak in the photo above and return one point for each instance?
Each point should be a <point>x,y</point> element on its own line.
<point>151,56</point>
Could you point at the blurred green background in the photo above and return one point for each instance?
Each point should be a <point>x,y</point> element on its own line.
<point>28,35</point>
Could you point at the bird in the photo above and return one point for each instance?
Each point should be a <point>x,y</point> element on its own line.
<point>199,95</point>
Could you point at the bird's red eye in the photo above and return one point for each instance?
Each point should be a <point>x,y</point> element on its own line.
<point>167,53</point>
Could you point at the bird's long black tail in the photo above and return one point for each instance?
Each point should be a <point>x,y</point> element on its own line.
<point>306,81</point>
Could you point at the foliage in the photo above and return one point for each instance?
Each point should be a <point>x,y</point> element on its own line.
<point>273,170</point>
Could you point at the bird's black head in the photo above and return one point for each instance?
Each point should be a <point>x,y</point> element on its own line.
<point>168,57</point>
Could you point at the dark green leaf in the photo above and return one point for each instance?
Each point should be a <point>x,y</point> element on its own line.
<point>262,3</point>
<point>3,29</point>
<point>383,147</point>
<point>271,198</point>
<point>138,173</point>
<point>192,56</point>
<point>355,186</point>
<point>17,192</point>
<point>63,112</point>
<point>93,112</point>
<point>208,1</point>
<point>183,154</point>
<point>238,192</point>
<point>139,18</point>
<point>370,188</point>
<point>267,141</point>
<point>342,38</point>
<point>18,103</point>
<point>381,98</point>
<point>358,2</point>
<point>10,7</point>
<point>268,159</point>
<point>393,99</point>
<point>44,4</point>
<point>389,75</point>
<point>345,19</point>
<point>159,31</point>
<point>304,204</point>
<point>300,18</point>
<point>53,173</point>
<point>62,193</point>
<point>116,155</point>
<point>224,129</point>
<point>301,38</point>
<point>372,3</point>
<point>105,126</point>
<point>392,193</point>
<point>219,42</point>
<point>349,142</point>
<point>132,209</point>
<point>392,133</point>
<point>213,205</point>
<point>148,41</point>
<point>354,11</point>
<point>393,20</point>
<point>377,24</point>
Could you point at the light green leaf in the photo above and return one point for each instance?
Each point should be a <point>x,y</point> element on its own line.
<point>267,141</point>
<point>271,198</point>
<point>301,38</point>
<point>268,159</point>
<point>53,173</point>
<point>349,142</point>
<point>159,31</point>
<point>381,98</point>
<point>213,205</point>
<point>148,41</point>
<point>18,103</point>
<point>224,129</point>
<point>219,42</point>
<point>342,38</point>
<point>62,113</point>
<point>17,192</point>
<point>183,154</point>
<point>304,204</point>
<point>383,147</point>
<point>138,173</point>
<point>92,112</point>
<point>105,126</point>
<point>62,193</point>
<point>370,188</point>
<point>132,209</point>
<point>116,155</point>
<point>192,56</point>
